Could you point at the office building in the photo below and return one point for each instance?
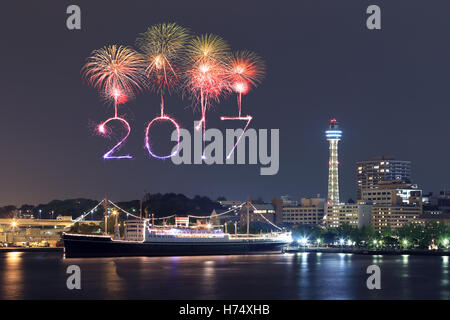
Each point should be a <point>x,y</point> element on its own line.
<point>370,173</point>
<point>310,212</point>
<point>355,215</point>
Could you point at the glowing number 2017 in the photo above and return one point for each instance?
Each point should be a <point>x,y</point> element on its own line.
<point>102,130</point>
<point>147,140</point>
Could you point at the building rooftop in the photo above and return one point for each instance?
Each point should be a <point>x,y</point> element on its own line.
<point>265,206</point>
<point>435,215</point>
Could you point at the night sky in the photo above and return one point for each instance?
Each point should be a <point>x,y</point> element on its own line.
<point>388,89</point>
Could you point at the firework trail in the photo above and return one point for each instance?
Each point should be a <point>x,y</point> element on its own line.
<point>116,72</point>
<point>162,46</point>
<point>206,73</point>
<point>244,71</point>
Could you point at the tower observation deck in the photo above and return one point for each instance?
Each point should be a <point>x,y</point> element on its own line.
<point>333,135</point>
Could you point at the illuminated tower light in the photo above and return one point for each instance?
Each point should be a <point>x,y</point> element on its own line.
<point>333,135</point>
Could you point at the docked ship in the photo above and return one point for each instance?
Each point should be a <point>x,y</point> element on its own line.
<point>141,238</point>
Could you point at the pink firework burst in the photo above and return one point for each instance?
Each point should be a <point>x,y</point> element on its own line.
<point>245,70</point>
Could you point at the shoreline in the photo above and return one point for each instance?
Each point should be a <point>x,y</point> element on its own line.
<point>292,250</point>
<point>417,252</point>
<point>20,249</point>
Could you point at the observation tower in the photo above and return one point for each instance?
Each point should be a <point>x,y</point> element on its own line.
<point>333,135</point>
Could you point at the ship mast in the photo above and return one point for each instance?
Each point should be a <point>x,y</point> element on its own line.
<point>105,209</point>
<point>247,205</point>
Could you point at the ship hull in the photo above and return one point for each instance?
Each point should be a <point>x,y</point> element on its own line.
<point>91,246</point>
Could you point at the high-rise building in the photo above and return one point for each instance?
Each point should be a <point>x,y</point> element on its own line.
<point>395,204</point>
<point>394,216</point>
<point>393,193</point>
<point>352,214</point>
<point>333,135</point>
<point>370,173</point>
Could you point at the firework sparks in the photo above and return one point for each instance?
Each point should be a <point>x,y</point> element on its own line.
<point>246,118</point>
<point>206,72</point>
<point>116,71</point>
<point>147,140</point>
<point>244,71</point>
<point>104,130</point>
<point>162,46</point>
<point>207,47</point>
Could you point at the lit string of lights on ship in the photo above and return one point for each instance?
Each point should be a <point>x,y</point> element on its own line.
<point>234,209</point>
<point>267,220</point>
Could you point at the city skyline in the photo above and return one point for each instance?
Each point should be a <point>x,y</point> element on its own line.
<point>225,158</point>
<point>49,114</point>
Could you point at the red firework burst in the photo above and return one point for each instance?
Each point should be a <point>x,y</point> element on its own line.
<point>244,70</point>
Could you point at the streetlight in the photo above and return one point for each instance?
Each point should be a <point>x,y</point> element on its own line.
<point>13,227</point>
<point>445,243</point>
<point>405,243</point>
<point>341,242</point>
<point>318,241</point>
<point>304,242</point>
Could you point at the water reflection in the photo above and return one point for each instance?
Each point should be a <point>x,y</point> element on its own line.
<point>445,263</point>
<point>377,259</point>
<point>208,281</point>
<point>278,276</point>
<point>405,259</point>
<point>445,283</point>
<point>12,273</point>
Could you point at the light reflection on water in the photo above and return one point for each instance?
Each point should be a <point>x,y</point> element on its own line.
<point>445,263</point>
<point>268,276</point>
<point>445,283</point>
<point>12,274</point>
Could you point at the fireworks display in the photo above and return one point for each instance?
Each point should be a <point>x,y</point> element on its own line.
<point>244,71</point>
<point>116,71</point>
<point>162,46</point>
<point>170,58</point>
<point>205,68</point>
<point>206,73</point>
